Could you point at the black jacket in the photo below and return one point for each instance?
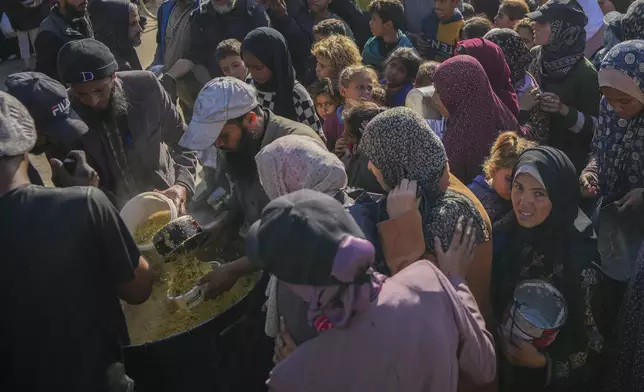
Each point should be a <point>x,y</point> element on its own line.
<point>55,31</point>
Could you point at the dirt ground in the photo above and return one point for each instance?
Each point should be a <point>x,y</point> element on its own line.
<point>146,54</point>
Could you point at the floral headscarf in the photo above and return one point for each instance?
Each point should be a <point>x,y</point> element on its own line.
<point>633,22</point>
<point>292,162</point>
<point>401,145</point>
<point>516,53</point>
<point>562,52</point>
<point>618,143</point>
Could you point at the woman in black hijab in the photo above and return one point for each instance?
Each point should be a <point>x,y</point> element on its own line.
<point>266,55</point>
<point>550,240</point>
<point>116,24</point>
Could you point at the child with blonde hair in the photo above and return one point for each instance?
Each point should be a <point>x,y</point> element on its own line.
<point>356,83</point>
<point>494,186</point>
<point>333,54</point>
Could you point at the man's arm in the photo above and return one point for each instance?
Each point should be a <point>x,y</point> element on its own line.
<point>47,46</point>
<point>121,261</point>
<point>172,129</point>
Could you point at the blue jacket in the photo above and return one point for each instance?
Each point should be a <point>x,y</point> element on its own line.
<point>371,54</point>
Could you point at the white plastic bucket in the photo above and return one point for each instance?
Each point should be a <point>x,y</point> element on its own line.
<point>138,209</point>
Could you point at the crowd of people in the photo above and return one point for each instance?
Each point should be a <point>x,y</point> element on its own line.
<point>400,168</point>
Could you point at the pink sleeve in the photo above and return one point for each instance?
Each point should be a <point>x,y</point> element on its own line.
<point>477,356</point>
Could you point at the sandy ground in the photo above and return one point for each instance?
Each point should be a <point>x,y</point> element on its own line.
<point>146,54</point>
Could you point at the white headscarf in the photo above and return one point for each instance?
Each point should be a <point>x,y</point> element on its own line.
<point>291,163</point>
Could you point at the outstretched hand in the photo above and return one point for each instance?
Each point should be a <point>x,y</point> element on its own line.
<point>458,257</point>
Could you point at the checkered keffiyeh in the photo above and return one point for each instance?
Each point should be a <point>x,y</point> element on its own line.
<point>304,107</point>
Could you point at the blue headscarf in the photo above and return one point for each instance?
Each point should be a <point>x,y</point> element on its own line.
<point>619,143</point>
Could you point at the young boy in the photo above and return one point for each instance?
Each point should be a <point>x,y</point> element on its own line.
<point>228,56</point>
<point>510,13</point>
<point>319,10</point>
<point>425,75</point>
<point>387,20</point>
<point>440,31</point>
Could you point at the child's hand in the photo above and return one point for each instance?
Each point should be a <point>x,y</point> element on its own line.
<point>340,147</point>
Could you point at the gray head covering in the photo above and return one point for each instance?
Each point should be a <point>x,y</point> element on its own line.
<point>400,143</point>
<point>17,129</point>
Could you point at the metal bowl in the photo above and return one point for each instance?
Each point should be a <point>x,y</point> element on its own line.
<point>180,235</point>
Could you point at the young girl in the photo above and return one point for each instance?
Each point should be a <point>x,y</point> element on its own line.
<point>401,68</point>
<point>493,188</point>
<point>356,83</point>
<point>333,54</point>
<point>266,55</point>
<point>325,98</point>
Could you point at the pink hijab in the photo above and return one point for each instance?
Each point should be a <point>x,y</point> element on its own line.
<point>476,115</point>
<point>496,68</point>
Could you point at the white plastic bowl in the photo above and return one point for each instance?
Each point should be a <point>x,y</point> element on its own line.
<point>138,209</point>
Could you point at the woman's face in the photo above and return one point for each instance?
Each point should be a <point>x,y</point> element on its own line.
<point>323,68</point>
<point>378,174</point>
<point>530,201</point>
<point>527,36</point>
<point>624,105</point>
<point>501,182</point>
<point>360,87</point>
<point>260,73</point>
<point>541,32</point>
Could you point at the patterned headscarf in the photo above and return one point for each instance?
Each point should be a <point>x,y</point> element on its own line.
<point>401,145</point>
<point>496,68</point>
<point>292,162</point>
<point>476,115</point>
<point>516,53</point>
<point>618,143</point>
<point>633,22</point>
<point>564,50</point>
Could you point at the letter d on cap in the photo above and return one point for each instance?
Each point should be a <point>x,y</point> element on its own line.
<point>87,76</point>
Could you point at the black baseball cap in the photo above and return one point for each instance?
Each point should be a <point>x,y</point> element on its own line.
<point>49,105</point>
<point>298,236</point>
<point>85,60</point>
<point>568,10</point>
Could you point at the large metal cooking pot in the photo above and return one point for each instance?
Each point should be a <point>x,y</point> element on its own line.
<point>229,352</point>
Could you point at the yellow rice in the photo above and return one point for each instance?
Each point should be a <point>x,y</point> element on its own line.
<point>146,231</point>
<point>158,318</point>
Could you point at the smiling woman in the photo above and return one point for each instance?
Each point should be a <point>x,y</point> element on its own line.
<point>550,240</point>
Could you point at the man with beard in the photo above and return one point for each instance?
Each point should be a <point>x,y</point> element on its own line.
<point>67,21</point>
<point>228,116</point>
<point>116,23</point>
<point>134,127</point>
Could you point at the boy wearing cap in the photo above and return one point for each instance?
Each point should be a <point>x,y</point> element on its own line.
<point>227,116</point>
<point>134,128</point>
<point>61,287</point>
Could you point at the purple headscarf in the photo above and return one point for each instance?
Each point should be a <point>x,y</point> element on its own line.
<point>334,306</point>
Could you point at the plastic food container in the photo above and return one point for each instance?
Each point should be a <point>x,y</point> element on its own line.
<point>141,207</point>
<point>536,314</point>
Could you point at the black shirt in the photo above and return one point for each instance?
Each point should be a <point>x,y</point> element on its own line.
<point>64,253</point>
